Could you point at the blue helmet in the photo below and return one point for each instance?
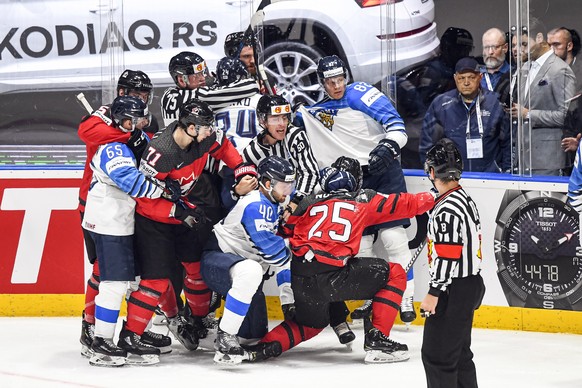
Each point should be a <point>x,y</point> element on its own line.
<point>332,180</point>
<point>331,66</point>
<point>276,168</point>
<point>351,165</point>
<point>445,159</point>
<point>129,108</point>
<point>229,70</point>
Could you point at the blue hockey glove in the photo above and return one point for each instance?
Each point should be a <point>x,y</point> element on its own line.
<point>332,180</point>
<point>173,191</point>
<point>382,156</point>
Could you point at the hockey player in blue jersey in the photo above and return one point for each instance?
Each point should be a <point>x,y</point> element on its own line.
<point>358,121</point>
<point>243,248</point>
<point>109,219</point>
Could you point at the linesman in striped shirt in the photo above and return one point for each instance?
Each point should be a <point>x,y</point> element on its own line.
<point>456,288</point>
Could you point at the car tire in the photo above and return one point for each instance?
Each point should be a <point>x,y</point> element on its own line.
<point>293,68</point>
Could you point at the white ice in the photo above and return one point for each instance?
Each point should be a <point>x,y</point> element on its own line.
<point>45,352</point>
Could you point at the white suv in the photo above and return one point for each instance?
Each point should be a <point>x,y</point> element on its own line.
<point>54,47</point>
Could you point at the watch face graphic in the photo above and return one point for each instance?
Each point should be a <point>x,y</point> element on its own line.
<point>538,253</point>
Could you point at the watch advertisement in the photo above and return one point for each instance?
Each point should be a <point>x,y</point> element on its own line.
<point>532,255</point>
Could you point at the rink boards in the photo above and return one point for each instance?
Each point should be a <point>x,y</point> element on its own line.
<point>43,269</point>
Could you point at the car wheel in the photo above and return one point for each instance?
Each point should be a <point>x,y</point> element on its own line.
<point>293,66</point>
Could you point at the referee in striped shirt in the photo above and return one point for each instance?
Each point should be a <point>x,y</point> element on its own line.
<point>456,288</point>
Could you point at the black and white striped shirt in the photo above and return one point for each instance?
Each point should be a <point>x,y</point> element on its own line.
<point>454,239</point>
<point>172,101</point>
<point>217,97</point>
<point>296,148</point>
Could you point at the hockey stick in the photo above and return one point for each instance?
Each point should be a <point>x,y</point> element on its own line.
<point>257,19</point>
<point>81,98</point>
<point>415,256</point>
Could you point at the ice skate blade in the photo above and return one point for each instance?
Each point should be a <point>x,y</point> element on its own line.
<point>146,359</point>
<point>228,359</point>
<point>379,357</point>
<point>159,320</point>
<point>165,349</point>
<point>86,351</point>
<point>106,361</point>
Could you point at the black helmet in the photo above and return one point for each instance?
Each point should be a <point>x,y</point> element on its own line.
<point>129,107</point>
<point>135,80</point>
<point>331,66</point>
<point>232,43</point>
<point>196,112</point>
<point>272,105</point>
<point>351,165</point>
<point>276,168</point>
<point>445,159</point>
<point>456,43</point>
<point>229,70</point>
<point>186,63</point>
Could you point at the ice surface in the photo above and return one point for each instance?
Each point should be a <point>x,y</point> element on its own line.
<point>45,352</point>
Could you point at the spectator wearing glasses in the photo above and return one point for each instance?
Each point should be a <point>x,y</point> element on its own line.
<point>496,72</point>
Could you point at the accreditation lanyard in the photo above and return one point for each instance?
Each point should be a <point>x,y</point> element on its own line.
<point>474,143</point>
<point>488,81</point>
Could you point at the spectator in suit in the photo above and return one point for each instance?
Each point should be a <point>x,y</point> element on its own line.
<point>546,91</point>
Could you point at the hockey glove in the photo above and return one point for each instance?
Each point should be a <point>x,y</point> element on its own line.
<point>382,156</point>
<point>332,180</point>
<point>137,143</point>
<point>288,311</point>
<point>173,191</point>
<point>190,215</point>
<point>243,170</point>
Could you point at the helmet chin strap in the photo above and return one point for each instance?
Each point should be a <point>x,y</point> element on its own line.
<point>269,192</point>
<point>186,132</point>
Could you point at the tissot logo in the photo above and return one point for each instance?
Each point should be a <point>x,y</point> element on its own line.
<point>67,40</point>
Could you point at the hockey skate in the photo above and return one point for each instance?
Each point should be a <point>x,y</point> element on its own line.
<point>381,349</point>
<point>227,349</point>
<point>344,333</point>
<point>183,331</point>
<point>195,322</point>
<point>262,351</point>
<point>407,313</point>
<point>87,336</point>
<point>160,341</point>
<point>106,353</point>
<point>358,314</point>
<point>138,353</point>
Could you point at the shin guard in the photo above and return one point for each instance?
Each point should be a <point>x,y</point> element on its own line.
<point>386,302</point>
<point>197,293</point>
<point>91,293</point>
<point>143,302</point>
<point>290,334</point>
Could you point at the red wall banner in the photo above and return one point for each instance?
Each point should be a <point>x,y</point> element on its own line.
<point>41,242</point>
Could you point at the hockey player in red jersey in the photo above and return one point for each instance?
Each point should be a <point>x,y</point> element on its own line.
<point>166,232</point>
<point>324,235</point>
<point>96,129</point>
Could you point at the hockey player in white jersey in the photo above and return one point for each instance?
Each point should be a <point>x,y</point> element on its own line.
<point>358,121</point>
<point>243,248</point>
<point>109,219</point>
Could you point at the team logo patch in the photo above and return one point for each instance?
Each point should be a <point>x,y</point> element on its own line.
<point>280,109</point>
<point>325,117</point>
